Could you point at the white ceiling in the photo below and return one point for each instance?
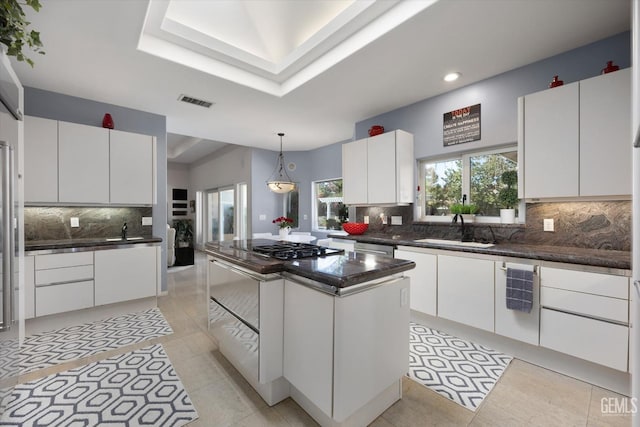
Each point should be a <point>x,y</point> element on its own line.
<point>310,69</point>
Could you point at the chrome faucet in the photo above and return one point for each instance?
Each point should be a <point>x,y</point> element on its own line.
<point>124,231</point>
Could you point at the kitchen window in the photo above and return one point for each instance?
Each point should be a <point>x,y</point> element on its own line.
<point>327,200</point>
<point>476,175</point>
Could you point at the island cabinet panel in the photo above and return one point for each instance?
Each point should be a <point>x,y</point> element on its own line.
<point>308,343</point>
<point>40,160</point>
<point>551,145</point>
<point>518,325</point>
<point>83,173</point>
<point>370,353</point>
<point>131,168</point>
<point>354,172</point>
<point>125,274</point>
<point>605,134</point>
<point>424,280</point>
<point>466,291</point>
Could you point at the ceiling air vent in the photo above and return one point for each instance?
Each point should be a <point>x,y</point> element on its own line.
<point>195,101</point>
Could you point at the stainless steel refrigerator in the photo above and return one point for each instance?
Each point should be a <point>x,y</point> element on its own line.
<point>11,222</point>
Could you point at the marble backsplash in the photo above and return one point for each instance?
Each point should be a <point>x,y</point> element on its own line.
<point>54,223</point>
<point>597,225</point>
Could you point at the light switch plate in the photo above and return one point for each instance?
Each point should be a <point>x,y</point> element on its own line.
<point>262,217</point>
<point>548,224</point>
<point>366,219</point>
<point>75,221</point>
<point>396,220</point>
<point>147,220</point>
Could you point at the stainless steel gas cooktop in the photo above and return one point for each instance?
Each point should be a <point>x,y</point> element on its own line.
<point>292,250</point>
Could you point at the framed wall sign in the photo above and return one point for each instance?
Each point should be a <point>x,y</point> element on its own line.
<point>461,125</point>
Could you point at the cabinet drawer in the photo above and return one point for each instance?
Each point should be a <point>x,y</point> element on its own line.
<point>582,281</point>
<point>600,342</point>
<point>62,275</point>
<point>61,298</point>
<point>63,260</point>
<point>588,304</point>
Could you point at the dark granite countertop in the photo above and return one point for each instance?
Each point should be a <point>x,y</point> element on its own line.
<point>564,254</point>
<point>84,244</point>
<point>340,271</point>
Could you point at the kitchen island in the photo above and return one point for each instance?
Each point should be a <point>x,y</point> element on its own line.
<point>330,331</point>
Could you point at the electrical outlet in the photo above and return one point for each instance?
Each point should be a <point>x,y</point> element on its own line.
<point>262,217</point>
<point>147,220</point>
<point>396,220</point>
<point>366,219</point>
<point>305,217</point>
<point>548,224</point>
<point>75,221</point>
<point>383,218</point>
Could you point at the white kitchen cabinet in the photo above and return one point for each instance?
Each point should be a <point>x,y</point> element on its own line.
<point>551,144</point>
<point>131,168</point>
<point>338,352</point>
<point>83,163</point>
<point>354,172</point>
<point>577,139</point>
<point>424,279</point>
<point>605,134</point>
<point>40,160</point>
<point>29,287</point>
<point>515,324</point>
<point>379,170</point>
<point>125,274</point>
<point>63,282</point>
<point>585,314</point>
<point>466,291</point>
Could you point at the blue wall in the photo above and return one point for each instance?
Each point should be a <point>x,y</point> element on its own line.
<point>55,106</point>
<point>498,97</point>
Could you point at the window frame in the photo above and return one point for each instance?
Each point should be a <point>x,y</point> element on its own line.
<point>314,206</point>
<point>465,158</point>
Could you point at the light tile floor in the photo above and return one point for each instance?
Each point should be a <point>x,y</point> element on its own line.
<point>526,395</point>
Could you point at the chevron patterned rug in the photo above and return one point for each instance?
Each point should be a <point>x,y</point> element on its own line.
<point>452,367</point>
<point>63,345</point>
<point>139,388</point>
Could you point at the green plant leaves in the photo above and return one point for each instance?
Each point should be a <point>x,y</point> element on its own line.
<point>13,29</point>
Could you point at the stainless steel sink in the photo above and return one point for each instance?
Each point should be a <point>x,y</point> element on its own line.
<point>455,243</point>
<point>117,239</point>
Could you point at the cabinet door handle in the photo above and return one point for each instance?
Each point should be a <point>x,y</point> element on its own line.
<point>504,268</point>
<point>636,140</point>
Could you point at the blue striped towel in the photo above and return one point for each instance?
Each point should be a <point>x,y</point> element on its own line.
<point>519,290</point>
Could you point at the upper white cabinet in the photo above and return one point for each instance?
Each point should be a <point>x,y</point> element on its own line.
<point>131,167</point>
<point>73,163</point>
<point>551,146</point>
<point>605,134</point>
<point>41,159</point>
<point>379,170</point>
<point>576,139</point>
<point>83,163</point>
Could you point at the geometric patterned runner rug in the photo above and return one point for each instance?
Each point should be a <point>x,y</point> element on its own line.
<point>452,367</point>
<point>139,388</point>
<point>74,342</point>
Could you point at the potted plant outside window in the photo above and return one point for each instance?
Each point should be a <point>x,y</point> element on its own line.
<point>468,212</point>
<point>508,197</point>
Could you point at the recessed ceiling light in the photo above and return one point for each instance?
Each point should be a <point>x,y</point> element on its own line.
<point>452,77</point>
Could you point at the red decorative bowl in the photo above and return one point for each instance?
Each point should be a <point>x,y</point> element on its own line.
<point>376,130</point>
<point>355,227</point>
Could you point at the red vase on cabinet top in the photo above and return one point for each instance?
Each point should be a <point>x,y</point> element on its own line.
<point>610,68</point>
<point>107,121</point>
<point>555,82</point>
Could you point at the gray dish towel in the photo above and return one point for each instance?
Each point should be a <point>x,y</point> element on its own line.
<point>519,290</point>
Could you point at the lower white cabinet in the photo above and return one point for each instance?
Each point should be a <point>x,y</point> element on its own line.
<point>594,340</point>
<point>341,352</point>
<point>29,287</point>
<point>125,274</point>
<point>424,279</point>
<point>63,282</point>
<point>466,291</point>
<point>514,324</point>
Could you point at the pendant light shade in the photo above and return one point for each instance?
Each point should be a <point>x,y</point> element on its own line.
<point>280,182</point>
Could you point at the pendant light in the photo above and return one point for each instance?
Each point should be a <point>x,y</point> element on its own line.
<point>280,183</point>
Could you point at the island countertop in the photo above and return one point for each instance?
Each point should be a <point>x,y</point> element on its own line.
<point>339,270</point>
